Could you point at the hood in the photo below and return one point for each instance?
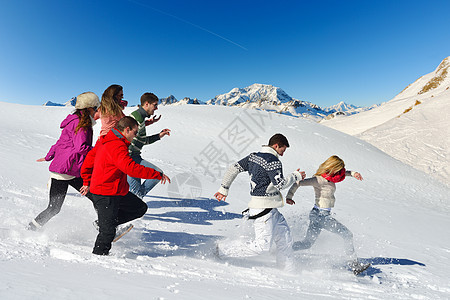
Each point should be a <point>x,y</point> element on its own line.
<point>68,119</point>
<point>114,135</point>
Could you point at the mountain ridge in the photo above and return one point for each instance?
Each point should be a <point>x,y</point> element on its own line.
<point>264,97</point>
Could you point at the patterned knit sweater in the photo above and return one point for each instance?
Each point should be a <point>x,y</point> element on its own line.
<point>266,178</point>
<point>141,138</point>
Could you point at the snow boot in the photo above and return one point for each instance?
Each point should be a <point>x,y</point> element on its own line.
<point>358,267</point>
<point>121,231</point>
<point>216,252</point>
<point>34,226</point>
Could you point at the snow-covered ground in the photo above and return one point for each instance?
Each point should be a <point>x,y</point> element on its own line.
<point>413,127</point>
<point>420,137</point>
<point>398,216</point>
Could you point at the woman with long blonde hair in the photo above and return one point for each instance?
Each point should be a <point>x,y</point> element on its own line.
<point>324,182</point>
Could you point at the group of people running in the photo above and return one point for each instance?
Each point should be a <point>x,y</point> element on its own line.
<point>110,174</point>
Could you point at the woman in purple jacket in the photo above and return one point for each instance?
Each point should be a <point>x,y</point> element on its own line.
<point>68,154</point>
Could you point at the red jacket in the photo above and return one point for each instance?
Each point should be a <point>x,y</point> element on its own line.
<point>107,165</point>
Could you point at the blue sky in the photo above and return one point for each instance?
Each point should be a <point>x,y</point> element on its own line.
<point>360,52</point>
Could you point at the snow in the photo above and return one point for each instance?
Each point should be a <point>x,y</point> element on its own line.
<point>397,215</point>
<point>413,127</point>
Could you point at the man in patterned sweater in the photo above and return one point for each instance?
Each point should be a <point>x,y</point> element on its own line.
<point>266,181</point>
<point>149,103</point>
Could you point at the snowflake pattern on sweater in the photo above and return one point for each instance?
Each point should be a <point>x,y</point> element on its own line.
<point>266,178</point>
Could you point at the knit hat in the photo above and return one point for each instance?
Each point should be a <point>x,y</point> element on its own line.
<point>86,100</point>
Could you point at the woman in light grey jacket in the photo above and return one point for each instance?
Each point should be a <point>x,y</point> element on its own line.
<point>324,182</point>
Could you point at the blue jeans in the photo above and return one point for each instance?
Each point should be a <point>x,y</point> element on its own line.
<point>322,219</point>
<point>137,187</point>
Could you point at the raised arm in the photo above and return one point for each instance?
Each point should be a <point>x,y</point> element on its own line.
<point>306,182</point>
<point>275,172</point>
<point>354,174</point>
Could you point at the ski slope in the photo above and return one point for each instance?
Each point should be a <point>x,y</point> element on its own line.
<point>413,127</point>
<point>398,216</point>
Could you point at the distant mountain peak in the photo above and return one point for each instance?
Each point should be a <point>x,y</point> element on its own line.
<point>341,107</point>
<point>257,92</point>
<point>169,100</point>
<point>71,102</point>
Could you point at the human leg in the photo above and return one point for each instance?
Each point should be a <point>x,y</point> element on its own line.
<point>333,225</point>
<point>135,182</point>
<point>138,187</point>
<point>149,184</point>
<point>107,209</point>
<point>58,191</point>
<point>131,207</point>
<point>314,229</point>
<point>263,228</point>
<point>283,241</point>
<point>77,183</point>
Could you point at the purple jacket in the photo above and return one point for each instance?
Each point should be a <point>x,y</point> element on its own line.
<point>70,150</point>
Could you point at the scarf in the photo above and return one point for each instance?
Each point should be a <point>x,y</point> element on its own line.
<point>338,177</point>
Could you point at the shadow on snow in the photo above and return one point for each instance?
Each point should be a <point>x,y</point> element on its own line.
<point>374,261</point>
<point>189,217</point>
<point>156,243</point>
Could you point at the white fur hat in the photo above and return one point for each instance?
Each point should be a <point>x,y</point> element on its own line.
<point>86,100</point>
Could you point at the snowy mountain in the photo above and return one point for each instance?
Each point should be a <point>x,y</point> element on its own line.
<point>262,93</point>
<point>395,215</point>
<point>429,85</point>
<point>169,100</point>
<point>270,98</point>
<point>341,107</point>
<point>412,127</point>
<point>71,102</point>
<point>344,109</point>
<point>187,100</point>
<point>274,99</point>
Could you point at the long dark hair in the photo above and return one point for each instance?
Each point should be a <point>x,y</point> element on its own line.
<point>85,119</point>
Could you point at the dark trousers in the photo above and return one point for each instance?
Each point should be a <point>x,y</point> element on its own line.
<point>113,211</point>
<point>58,192</point>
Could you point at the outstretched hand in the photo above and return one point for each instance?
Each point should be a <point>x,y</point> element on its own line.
<point>165,179</point>
<point>164,132</point>
<point>84,190</point>
<point>220,197</point>
<point>302,173</point>
<point>290,201</point>
<point>358,176</point>
<point>152,120</point>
